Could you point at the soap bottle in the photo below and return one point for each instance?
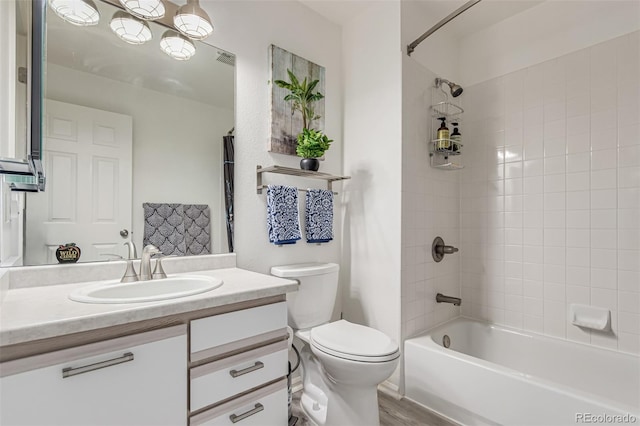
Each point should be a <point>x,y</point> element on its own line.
<point>443,135</point>
<point>456,138</point>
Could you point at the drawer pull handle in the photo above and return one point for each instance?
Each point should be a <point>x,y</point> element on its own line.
<point>69,371</point>
<point>257,366</point>
<point>235,418</point>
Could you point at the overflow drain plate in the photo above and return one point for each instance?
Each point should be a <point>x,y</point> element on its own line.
<point>446,341</point>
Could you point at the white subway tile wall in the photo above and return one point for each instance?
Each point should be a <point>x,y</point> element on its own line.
<point>552,216</point>
<point>430,208</point>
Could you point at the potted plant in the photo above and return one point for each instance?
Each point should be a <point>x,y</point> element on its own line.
<point>312,143</point>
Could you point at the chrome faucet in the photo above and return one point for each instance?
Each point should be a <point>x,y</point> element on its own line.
<point>441,298</point>
<point>145,262</point>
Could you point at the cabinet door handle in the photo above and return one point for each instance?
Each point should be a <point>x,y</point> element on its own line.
<point>69,371</point>
<point>235,418</point>
<point>236,373</point>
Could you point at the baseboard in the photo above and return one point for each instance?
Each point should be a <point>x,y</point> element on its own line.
<point>390,389</point>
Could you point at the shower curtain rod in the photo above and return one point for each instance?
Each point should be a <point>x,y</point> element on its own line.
<point>440,24</point>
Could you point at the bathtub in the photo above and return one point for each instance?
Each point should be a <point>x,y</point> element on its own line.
<point>495,375</point>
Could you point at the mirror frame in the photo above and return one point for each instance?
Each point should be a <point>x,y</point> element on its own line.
<point>32,166</point>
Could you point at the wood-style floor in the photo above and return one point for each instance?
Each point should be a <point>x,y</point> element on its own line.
<point>393,412</point>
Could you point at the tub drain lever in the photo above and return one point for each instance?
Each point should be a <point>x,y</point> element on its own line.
<point>439,249</point>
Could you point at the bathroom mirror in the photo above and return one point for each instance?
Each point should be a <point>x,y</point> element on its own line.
<point>21,42</point>
<point>124,125</point>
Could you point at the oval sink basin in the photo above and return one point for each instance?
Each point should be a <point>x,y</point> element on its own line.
<point>145,291</point>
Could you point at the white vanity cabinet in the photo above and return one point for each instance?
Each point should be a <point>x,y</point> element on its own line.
<point>223,365</point>
<point>239,367</point>
<point>134,380</point>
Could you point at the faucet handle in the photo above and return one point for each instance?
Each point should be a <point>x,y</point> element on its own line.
<point>158,271</point>
<point>130,275</point>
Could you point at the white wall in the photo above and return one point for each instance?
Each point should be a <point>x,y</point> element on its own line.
<point>372,156</point>
<point>247,28</point>
<point>177,145</point>
<point>439,52</point>
<point>544,32</point>
<point>552,216</point>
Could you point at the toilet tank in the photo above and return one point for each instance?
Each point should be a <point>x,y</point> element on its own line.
<point>313,303</point>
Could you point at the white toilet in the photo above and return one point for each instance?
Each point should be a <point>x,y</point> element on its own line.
<point>342,363</point>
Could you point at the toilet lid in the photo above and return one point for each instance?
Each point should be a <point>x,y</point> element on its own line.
<point>354,341</point>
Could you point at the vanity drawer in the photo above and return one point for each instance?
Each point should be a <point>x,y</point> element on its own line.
<point>210,335</point>
<point>266,406</point>
<point>133,380</point>
<point>219,380</point>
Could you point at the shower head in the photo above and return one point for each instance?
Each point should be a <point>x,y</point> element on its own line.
<point>456,90</point>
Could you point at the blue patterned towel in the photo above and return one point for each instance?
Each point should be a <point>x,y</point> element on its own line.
<point>282,214</point>
<point>319,216</point>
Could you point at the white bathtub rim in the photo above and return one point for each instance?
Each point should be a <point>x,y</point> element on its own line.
<point>430,345</point>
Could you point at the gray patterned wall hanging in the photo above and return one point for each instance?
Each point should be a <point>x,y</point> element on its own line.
<point>164,228</point>
<point>197,219</point>
<point>178,229</point>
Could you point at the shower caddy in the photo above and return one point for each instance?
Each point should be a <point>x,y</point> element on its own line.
<point>441,150</point>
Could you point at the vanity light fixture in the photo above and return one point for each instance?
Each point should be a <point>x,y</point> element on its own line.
<point>82,13</point>
<point>192,21</point>
<point>129,28</point>
<point>177,46</point>
<point>144,9</point>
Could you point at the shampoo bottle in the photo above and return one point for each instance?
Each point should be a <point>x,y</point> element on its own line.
<point>456,138</point>
<point>443,135</point>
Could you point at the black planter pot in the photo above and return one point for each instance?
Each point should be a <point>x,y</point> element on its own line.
<point>312,164</point>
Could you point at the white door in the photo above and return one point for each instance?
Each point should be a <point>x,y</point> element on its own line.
<point>87,201</point>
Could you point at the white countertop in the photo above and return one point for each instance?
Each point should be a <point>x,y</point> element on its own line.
<point>33,313</point>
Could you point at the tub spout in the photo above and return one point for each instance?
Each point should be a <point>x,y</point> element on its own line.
<point>441,298</point>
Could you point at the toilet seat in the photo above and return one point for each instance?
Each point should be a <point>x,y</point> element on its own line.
<point>354,342</point>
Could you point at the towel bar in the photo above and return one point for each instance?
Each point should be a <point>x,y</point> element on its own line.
<point>261,187</point>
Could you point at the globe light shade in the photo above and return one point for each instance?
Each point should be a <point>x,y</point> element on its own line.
<point>144,9</point>
<point>82,13</point>
<point>177,46</point>
<point>130,29</point>
<point>192,21</point>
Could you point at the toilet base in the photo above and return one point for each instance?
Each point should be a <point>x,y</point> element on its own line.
<point>328,403</point>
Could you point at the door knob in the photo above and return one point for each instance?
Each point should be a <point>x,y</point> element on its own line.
<point>124,233</point>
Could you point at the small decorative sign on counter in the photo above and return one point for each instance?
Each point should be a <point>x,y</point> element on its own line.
<point>68,253</point>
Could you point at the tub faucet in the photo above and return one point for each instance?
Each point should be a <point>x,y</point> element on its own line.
<point>441,298</point>
<point>145,262</point>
